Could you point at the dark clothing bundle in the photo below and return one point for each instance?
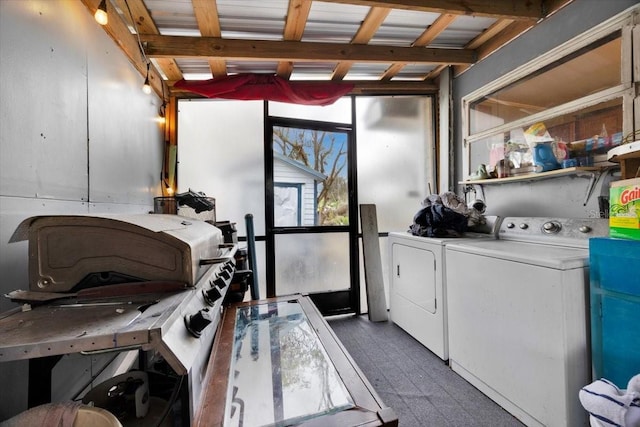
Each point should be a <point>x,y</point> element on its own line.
<point>437,220</point>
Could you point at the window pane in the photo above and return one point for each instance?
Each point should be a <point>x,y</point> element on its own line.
<point>286,205</point>
<point>590,70</point>
<point>314,262</point>
<point>395,157</point>
<point>584,135</point>
<point>221,153</point>
<point>316,162</point>
<point>338,112</point>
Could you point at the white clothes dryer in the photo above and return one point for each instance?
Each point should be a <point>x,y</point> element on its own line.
<point>417,292</point>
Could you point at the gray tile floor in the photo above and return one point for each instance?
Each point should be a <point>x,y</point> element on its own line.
<point>419,386</point>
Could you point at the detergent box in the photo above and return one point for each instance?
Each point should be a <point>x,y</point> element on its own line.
<point>624,209</point>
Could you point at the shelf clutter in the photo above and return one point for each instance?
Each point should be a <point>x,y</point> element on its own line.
<point>578,170</point>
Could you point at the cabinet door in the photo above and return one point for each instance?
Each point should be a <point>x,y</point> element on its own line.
<point>414,275</point>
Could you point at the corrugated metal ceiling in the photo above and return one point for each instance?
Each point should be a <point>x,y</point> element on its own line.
<point>418,38</point>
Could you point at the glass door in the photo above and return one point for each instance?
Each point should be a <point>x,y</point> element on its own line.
<point>311,237</point>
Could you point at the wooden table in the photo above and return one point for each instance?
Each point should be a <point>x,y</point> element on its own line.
<point>277,362</point>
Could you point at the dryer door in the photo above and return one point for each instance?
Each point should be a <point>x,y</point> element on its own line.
<point>417,297</point>
<point>414,276</point>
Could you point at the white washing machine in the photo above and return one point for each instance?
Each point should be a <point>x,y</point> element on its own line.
<point>417,291</point>
<point>518,311</point>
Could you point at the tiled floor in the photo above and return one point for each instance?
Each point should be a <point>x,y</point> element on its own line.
<point>418,385</point>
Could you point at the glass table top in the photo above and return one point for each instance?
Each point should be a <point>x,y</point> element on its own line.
<point>280,372</point>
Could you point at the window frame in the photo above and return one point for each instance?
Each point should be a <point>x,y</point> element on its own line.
<point>630,35</point>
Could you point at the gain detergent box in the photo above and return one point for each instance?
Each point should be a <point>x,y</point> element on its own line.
<point>624,209</point>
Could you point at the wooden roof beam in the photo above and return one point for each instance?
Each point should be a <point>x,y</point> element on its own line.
<point>365,33</point>
<point>361,87</point>
<point>434,30</point>
<point>295,23</point>
<point>530,10</point>
<point>206,12</point>
<point>203,47</point>
<point>119,31</point>
<point>504,34</point>
<point>143,23</point>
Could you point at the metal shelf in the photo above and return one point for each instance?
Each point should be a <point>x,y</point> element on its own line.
<point>580,170</point>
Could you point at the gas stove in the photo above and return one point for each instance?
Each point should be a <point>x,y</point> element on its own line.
<point>113,283</point>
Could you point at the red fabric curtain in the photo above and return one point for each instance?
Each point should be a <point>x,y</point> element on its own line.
<point>269,87</point>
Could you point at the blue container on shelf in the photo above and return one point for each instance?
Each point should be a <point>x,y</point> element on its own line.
<point>615,308</point>
<point>543,157</point>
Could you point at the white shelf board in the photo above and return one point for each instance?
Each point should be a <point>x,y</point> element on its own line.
<point>535,176</point>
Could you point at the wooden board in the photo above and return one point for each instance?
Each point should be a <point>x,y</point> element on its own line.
<point>376,299</point>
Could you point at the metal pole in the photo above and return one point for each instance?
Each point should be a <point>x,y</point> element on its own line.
<point>253,264</point>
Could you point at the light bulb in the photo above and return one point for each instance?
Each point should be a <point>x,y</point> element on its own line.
<point>146,88</point>
<point>101,13</point>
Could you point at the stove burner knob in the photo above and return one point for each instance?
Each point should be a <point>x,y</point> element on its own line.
<point>197,322</point>
<point>220,282</point>
<point>229,266</point>
<point>225,274</point>
<point>523,226</point>
<point>584,229</point>
<point>551,227</point>
<point>211,296</point>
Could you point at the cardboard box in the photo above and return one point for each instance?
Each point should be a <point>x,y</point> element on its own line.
<point>624,209</point>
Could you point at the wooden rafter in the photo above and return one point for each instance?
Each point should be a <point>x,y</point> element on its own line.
<point>501,36</point>
<point>438,26</point>
<point>365,33</point>
<point>530,10</point>
<point>144,24</point>
<point>206,12</point>
<point>513,18</point>
<point>478,41</point>
<point>364,87</point>
<point>119,31</point>
<point>293,30</point>
<point>489,33</point>
<point>204,47</point>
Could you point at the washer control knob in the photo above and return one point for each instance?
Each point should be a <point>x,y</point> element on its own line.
<point>211,295</point>
<point>584,229</point>
<point>197,322</point>
<point>524,226</point>
<point>510,225</point>
<point>551,227</point>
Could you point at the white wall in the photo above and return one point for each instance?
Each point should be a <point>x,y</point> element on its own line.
<point>77,135</point>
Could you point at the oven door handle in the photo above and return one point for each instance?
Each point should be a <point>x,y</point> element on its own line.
<point>228,256</point>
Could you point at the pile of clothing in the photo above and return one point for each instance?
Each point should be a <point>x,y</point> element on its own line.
<point>446,215</point>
